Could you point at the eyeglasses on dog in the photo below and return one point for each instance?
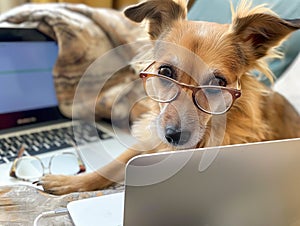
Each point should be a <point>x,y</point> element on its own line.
<point>215,100</point>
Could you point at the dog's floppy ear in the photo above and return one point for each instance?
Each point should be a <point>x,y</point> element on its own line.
<point>261,32</point>
<point>160,13</point>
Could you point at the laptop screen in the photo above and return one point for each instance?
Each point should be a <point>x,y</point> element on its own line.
<point>25,76</point>
<point>27,92</point>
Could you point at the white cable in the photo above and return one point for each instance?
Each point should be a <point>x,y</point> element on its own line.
<point>53,213</point>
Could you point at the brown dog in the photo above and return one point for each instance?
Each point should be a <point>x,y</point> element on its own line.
<point>200,103</point>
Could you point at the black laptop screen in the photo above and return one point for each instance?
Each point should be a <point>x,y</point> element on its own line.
<point>27,92</point>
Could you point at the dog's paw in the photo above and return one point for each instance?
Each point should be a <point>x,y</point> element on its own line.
<point>60,184</point>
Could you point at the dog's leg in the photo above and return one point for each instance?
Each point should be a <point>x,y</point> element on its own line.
<point>99,179</point>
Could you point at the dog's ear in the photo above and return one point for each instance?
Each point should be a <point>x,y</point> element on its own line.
<point>261,32</point>
<point>160,13</point>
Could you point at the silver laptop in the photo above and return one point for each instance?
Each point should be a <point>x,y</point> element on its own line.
<point>29,113</point>
<point>250,185</point>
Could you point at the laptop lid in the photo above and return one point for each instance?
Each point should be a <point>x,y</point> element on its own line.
<point>27,93</point>
<point>104,210</point>
<point>250,185</point>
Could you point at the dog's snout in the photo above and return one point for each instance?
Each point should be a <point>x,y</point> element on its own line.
<point>177,137</point>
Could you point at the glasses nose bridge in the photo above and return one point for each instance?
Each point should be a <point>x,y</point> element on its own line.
<point>188,89</point>
<point>186,94</point>
<point>47,170</point>
<point>46,167</point>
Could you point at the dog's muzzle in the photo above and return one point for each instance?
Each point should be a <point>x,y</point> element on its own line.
<point>176,136</point>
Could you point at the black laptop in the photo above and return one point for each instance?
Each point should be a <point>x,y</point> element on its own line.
<point>29,113</point>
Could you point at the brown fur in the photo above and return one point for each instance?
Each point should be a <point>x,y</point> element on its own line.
<point>232,50</point>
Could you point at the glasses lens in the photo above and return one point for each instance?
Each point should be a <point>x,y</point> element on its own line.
<point>214,100</point>
<point>29,168</point>
<point>161,89</point>
<point>65,164</point>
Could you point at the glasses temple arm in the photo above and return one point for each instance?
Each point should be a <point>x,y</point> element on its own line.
<point>82,167</point>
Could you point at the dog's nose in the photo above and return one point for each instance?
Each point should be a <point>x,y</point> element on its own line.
<point>177,137</point>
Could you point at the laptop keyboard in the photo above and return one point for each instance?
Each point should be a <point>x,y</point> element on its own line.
<point>48,140</point>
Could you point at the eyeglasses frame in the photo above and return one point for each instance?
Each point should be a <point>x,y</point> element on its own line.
<point>235,92</point>
<point>12,172</point>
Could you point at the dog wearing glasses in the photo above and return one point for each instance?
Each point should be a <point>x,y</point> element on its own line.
<point>200,87</point>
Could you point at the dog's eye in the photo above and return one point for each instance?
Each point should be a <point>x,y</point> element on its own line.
<point>166,71</point>
<point>217,81</point>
